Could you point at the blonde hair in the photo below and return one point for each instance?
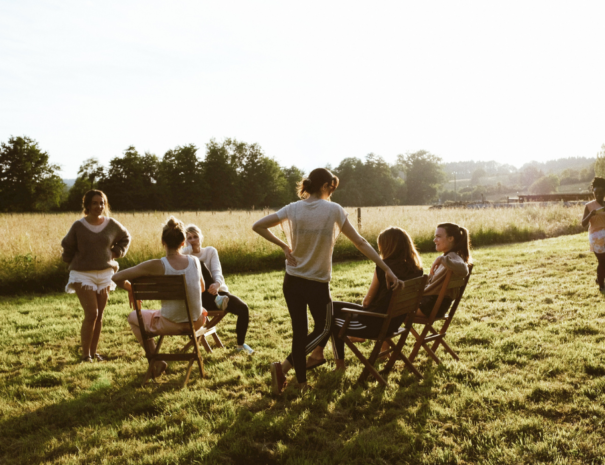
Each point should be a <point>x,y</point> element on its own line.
<point>173,233</point>
<point>87,201</point>
<point>394,242</point>
<point>193,229</point>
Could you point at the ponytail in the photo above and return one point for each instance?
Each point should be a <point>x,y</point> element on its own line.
<point>316,180</point>
<point>462,240</point>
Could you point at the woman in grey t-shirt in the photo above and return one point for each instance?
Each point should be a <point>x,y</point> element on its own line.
<point>311,226</point>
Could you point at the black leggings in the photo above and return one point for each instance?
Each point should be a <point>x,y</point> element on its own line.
<point>299,293</point>
<point>600,269</point>
<point>236,306</point>
<point>354,329</point>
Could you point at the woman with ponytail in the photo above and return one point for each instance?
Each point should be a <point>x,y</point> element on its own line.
<point>454,242</point>
<point>311,226</point>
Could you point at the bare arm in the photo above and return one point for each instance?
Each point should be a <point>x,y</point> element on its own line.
<point>148,268</point>
<point>587,216</point>
<point>365,248</point>
<point>261,227</point>
<point>372,291</point>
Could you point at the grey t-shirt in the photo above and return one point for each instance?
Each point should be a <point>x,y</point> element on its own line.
<point>311,229</point>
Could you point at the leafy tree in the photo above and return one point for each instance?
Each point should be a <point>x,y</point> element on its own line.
<point>530,174</point>
<point>293,175</point>
<point>220,174</point>
<point>130,181</point>
<point>477,175</point>
<point>424,175</point>
<point>89,172</point>
<point>545,185</point>
<point>28,182</point>
<point>181,179</point>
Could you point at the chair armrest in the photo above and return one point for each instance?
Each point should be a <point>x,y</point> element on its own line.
<point>362,312</point>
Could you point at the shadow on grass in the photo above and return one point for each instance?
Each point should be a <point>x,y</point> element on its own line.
<point>338,421</point>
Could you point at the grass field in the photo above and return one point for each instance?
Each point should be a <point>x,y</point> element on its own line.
<point>30,245</point>
<point>530,386</point>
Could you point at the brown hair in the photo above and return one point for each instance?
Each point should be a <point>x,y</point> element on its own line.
<point>598,182</point>
<point>462,240</point>
<point>316,180</point>
<point>394,242</point>
<point>87,201</point>
<point>173,233</point>
<point>193,229</point>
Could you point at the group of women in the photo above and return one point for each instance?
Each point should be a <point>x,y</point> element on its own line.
<point>311,227</point>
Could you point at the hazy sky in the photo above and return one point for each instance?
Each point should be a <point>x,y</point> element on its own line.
<point>311,82</point>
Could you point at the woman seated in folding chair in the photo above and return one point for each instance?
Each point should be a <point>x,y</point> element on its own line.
<point>454,242</point>
<point>172,318</point>
<point>399,253</point>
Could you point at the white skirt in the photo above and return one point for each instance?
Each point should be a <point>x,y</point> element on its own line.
<point>91,280</point>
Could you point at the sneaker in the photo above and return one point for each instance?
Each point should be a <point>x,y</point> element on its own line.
<point>245,348</point>
<point>221,302</point>
<point>278,379</point>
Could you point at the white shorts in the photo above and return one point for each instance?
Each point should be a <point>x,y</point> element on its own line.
<point>91,280</point>
<point>597,241</point>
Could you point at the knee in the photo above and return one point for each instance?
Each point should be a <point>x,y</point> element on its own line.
<point>132,318</point>
<point>91,316</point>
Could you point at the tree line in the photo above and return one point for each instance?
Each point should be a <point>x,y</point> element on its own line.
<point>227,175</point>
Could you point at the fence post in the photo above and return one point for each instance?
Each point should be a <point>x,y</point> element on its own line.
<point>359,218</point>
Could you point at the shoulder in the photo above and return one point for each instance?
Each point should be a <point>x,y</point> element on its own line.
<point>116,223</point>
<point>287,210</point>
<point>211,251</point>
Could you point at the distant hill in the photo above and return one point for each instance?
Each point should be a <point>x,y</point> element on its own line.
<point>465,169</point>
<point>69,182</point>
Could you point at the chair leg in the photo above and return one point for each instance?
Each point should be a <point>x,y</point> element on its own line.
<point>217,340</point>
<point>369,368</point>
<point>148,375</point>
<point>188,373</point>
<point>204,342</point>
<point>447,348</point>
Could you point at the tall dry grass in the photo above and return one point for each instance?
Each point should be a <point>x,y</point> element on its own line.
<point>30,249</point>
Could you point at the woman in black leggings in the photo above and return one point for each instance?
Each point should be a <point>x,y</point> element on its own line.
<point>311,226</point>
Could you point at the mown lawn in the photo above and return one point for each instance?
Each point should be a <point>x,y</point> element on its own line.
<point>530,386</point>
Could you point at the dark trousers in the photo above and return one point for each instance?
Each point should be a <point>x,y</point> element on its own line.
<point>300,293</point>
<point>236,306</point>
<point>338,345</point>
<point>428,302</point>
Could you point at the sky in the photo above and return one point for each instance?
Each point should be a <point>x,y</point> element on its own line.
<point>311,82</point>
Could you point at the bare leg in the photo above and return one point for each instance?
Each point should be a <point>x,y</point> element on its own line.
<point>101,303</point>
<point>88,300</point>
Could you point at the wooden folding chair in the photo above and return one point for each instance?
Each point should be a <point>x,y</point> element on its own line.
<point>429,333</point>
<point>214,317</point>
<point>404,301</point>
<point>167,288</point>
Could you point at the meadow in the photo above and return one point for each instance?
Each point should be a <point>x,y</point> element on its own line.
<point>30,244</point>
<point>529,388</point>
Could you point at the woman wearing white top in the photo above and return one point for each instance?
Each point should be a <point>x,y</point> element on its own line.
<point>311,226</point>
<point>172,318</point>
<point>217,296</point>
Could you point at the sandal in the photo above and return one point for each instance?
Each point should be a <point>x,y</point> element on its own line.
<point>87,359</point>
<point>99,358</point>
<point>315,362</point>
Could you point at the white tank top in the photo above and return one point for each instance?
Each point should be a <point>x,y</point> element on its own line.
<point>175,310</point>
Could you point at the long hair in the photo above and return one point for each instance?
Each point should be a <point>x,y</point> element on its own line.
<point>316,180</point>
<point>394,242</point>
<point>173,233</point>
<point>87,202</point>
<point>462,240</point>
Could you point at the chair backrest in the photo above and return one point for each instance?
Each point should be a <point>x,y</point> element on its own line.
<point>405,300</point>
<point>448,284</point>
<point>173,287</point>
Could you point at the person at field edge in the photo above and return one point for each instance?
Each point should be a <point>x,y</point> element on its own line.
<point>454,243</point>
<point>91,247</point>
<point>217,296</point>
<point>399,253</point>
<point>172,318</point>
<point>594,219</point>
<point>311,226</point>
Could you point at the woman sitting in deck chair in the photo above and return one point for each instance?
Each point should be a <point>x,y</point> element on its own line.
<point>172,318</point>
<point>399,253</point>
<point>454,242</point>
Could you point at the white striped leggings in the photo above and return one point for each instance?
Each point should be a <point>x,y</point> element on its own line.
<point>300,293</point>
